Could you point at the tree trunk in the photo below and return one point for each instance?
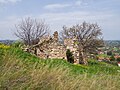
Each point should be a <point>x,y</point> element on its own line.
<point>82,57</point>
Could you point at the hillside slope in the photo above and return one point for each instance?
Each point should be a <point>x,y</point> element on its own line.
<point>20,71</point>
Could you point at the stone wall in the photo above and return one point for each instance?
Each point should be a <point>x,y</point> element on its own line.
<point>49,47</point>
<point>71,44</point>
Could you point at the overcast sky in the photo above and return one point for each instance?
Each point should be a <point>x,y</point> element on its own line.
<point>57,13</point>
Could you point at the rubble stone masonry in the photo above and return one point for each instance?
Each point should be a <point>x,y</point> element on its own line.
<point>49,47</point>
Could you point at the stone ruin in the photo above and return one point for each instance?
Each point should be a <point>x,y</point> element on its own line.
<point>50,47</point>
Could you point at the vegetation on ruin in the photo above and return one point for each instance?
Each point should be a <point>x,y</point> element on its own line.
<point>69,55</point>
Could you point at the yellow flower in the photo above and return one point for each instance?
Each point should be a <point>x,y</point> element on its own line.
<point>2,46</point>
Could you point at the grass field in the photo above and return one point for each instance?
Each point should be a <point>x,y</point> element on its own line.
<point>22,71</point>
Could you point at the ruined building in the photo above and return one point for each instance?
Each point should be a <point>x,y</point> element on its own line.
<point>49,47</point>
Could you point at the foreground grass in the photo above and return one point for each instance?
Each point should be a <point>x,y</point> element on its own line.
<point>22,71</point>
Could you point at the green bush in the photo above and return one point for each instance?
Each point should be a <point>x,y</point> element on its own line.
<point>118,59</point>
<point>70,57</point>
<point>93,62</point>
<point>112,58</point>
<point>109,53</point>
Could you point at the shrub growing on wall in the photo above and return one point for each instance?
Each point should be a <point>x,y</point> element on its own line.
<point>112,58</point>
<point>70,57</point>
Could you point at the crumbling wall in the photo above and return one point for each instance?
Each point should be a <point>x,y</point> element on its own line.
<point>49,47</point>
<point>71,44</point>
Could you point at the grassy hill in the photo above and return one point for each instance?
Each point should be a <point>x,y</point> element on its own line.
<point>22,71</point>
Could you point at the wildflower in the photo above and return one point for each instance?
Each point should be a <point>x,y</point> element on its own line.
<point>2,46</point>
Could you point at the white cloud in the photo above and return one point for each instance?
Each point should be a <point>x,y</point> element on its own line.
<point>78,3</point>
<point>56,6</point>
<point>76,16</point>
<point>8,1</point>
<point>60,6</point>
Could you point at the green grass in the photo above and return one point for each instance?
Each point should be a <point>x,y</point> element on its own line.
<point>103,55</point>
<point>22,71</point>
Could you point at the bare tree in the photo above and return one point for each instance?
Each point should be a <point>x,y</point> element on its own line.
<point>88,38</point>
<point>30,30</point>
